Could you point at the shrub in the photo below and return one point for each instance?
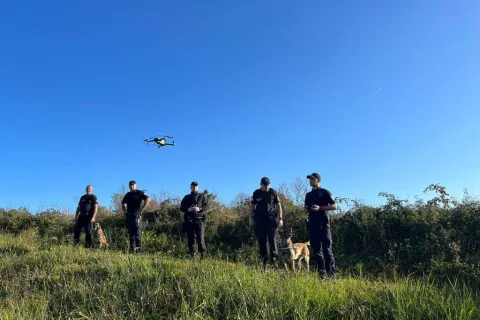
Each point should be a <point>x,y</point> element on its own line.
<point>395,238</point>
<point>15,220</point>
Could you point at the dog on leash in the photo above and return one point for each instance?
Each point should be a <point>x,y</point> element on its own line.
<point>100,239</point>
<point>294,252</point>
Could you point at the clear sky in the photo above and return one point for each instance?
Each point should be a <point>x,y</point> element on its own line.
<point>374,95</point>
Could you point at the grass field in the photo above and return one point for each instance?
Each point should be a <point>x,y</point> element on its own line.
<point>39,280</point>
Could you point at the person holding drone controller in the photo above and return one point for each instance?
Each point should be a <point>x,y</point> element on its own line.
<point>194,206</point>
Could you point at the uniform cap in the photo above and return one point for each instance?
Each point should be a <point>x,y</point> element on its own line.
<point>265,181</point>
<point>132,182</point>
<point>314,175</point>
<point>194,183</point>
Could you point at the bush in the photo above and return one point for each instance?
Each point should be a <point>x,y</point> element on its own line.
<point>395,238</point>
<point>53,223</point>
<point>15,220</point>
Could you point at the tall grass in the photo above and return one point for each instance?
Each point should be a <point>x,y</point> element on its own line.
<point>39,280</point>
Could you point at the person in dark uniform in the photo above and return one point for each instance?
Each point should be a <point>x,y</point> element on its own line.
<point>265,208</point>
<point>194,206</point>
<point>133,209</point>
<point>317,202</point>
<point>85,216</point>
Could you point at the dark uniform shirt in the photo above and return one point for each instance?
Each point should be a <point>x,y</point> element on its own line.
<point>87,204</point>
<point>321,197</point>
<point>194,199</point>
<point>265,202</point>
<point>133,199</point>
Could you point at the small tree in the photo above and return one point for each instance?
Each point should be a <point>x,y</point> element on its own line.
<point>299,188</point>
<point>284,189</point>
<point>241,204</point>
<point>117,197</point>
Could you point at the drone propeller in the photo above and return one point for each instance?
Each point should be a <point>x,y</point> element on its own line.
<point>162,135</point>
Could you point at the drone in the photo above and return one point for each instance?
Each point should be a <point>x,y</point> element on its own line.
<point>161,142</point>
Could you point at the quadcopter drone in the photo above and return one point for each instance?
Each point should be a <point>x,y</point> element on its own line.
<point>161,142</point>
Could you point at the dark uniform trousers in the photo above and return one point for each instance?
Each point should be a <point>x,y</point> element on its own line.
<point>265,229</point>
<point>195,230</point>
<point>134,232</point>
<point>83,222</point>
<point>321,242</point>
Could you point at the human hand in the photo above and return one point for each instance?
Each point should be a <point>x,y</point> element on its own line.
<point>315,207</point>
<point>280,223</point>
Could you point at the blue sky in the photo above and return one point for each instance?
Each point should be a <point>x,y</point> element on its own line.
<point>247,88</point>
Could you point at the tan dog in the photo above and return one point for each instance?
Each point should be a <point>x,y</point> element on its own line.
<point>296,252</point>
<point>100,239</point>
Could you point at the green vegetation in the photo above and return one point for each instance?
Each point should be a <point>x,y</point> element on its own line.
<point>396,261</point>
<point>58,282</point>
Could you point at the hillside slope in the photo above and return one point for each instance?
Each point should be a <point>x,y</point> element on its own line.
<point>43,281</point>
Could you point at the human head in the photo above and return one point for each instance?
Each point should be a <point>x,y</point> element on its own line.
<point>194,186</point>
<point>132,185</point>
<point>314,179</point>
<point>265,183</point>
<point>89,189</point>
